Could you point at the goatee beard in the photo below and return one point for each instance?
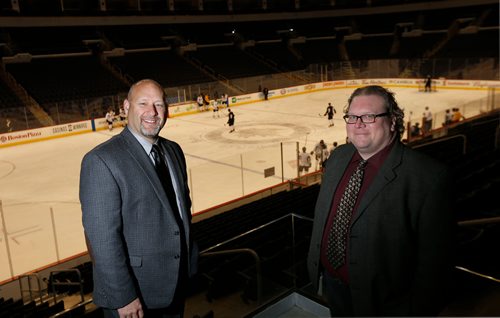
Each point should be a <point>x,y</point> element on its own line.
<point>151,133</point>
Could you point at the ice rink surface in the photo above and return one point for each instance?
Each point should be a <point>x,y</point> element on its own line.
<point>39,181</point>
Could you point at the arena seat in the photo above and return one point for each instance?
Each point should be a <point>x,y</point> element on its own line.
<point>70,78</point>
<point>230,62</point>
<point>165,66</point>
<point>7,98</point>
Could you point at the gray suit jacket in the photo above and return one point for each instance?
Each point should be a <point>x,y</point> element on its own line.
<point>400,238</point>
<point>133,236</point>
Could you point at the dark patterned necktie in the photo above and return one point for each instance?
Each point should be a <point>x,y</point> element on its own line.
<point>165,178</point>
<point>337,238</point>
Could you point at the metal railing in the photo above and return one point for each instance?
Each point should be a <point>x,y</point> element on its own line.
<point>477,274</point>
<point>53,282</point>
<point>69,311</point>
<point>258,271</point>
<point>472,224</point>
<point>30,290</point>
<point>214,250</point>
<point>441,140</point>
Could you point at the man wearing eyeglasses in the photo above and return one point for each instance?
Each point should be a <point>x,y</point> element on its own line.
<point>384,250</point>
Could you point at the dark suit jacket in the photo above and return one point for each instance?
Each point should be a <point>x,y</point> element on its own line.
<point>400,238</point>
<point>133,236</point>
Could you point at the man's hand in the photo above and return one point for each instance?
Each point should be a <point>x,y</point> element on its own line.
<point>132,310</point>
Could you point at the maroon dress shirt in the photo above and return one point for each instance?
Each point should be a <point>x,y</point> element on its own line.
<point>371,169</point>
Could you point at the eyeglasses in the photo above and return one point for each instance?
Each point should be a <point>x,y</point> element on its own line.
<point>365,119</point>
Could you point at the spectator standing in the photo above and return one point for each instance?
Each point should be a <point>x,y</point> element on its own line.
<point>382,233</point>
<point>457,115</point>
<point>136,214</point>
<point>415,130</point>
<point>8,125</point>
<point>334,146</point>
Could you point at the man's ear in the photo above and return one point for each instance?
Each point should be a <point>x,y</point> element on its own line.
<point>393,124</point>
<point>126,106</point>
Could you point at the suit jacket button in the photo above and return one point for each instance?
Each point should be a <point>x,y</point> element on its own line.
<point>177,256</point>
<point>176,233</point>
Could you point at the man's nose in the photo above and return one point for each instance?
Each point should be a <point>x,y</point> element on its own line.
<point>151,109</point>
<point>359,122</point>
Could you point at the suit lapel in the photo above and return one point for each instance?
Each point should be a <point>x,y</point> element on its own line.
<point>331,179</point>
<point>385,175</point>
<point>176,169</point>
<point>337,171</point>
<point>145,164</point>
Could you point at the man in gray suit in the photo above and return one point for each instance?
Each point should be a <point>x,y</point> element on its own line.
<point>137,228</point>
<point>394,253</point>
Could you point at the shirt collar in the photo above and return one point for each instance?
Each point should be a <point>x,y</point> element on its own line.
<point>377,159</point>
<point>144,142</point>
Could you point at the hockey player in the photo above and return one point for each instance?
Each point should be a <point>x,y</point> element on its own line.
<point>123,117</point>
<point>215,107</point>
<point>428,84</point>
<point>318,152</point>
<point>225,100</point>
<point>330,111</point>
<point>206,101</point>
<point>230,120</point>
<point>199,101</point>
<point>110,117</point>
<point>304,161</point>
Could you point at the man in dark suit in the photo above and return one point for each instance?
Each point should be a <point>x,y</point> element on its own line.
<point>395,249</point>
<point>137,224</point>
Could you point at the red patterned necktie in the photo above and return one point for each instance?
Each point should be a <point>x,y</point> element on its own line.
<point>337,238</point>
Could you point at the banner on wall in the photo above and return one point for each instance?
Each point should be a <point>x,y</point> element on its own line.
<point>24,136</point>
<point>181,109</point>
